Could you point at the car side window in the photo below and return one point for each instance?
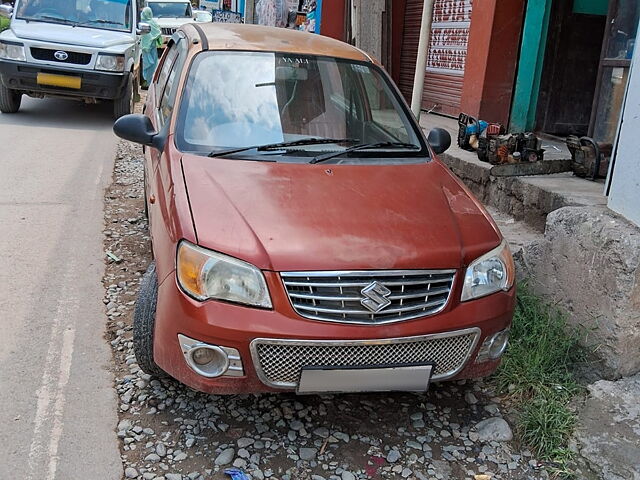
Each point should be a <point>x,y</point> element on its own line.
<point>170,90</point>
<point>165,69</point>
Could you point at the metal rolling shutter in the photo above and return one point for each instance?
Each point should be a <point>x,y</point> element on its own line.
<point>446,57</point>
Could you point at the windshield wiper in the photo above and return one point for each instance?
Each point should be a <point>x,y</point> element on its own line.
<point>275,146</point>
<point>364,146</point>
<point>43,18</point>
<point>98,20</point>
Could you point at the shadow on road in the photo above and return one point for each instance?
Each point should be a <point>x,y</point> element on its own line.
<point>58,113</point>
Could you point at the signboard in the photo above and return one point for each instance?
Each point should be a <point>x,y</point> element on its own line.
<point>226,16</point>
<point>449,37</point>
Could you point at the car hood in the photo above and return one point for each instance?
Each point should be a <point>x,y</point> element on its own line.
<point>69,35</point>
<point>292,217</point>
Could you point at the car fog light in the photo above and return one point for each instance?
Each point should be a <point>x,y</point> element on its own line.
<point>203,356</point>
<point>211,361</point>
<point>494,346</point>
<point>499,344</point>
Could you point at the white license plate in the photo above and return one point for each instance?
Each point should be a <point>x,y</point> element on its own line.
<point>413,378</point>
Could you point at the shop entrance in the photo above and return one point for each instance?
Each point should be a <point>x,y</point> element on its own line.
<point>570,72</point>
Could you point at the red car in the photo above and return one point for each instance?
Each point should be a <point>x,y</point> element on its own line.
<point>305,235</point>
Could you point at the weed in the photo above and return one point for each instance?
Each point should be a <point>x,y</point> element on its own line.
<point>537,374</point>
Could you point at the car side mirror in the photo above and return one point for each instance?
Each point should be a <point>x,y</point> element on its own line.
<point>143,28</point>
<point>439,139</point>
<point>138,128</point>
<point>6,11</point>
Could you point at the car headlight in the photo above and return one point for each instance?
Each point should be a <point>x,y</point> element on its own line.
<point>204,274</point>
<point>110,63</point>
<point>12,51</point>
<point>492,272</point>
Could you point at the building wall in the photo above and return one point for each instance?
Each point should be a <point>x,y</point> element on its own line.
<point>333,19</point>
<point>624,188</point>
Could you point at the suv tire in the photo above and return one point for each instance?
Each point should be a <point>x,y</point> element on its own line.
<point>126,103</point>
<point>10,100</point>
<point>144,319</point>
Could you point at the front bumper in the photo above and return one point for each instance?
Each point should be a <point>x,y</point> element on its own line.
<point>465,326</point>
<point>94,84</point>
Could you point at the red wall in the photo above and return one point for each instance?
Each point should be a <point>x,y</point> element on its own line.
<point>397,31</point>
<point>332,25</point>
<point>492,56</point>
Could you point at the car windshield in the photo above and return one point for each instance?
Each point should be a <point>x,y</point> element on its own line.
<point>171,9</point>
<point>101,14</point>
<point>240,99</point>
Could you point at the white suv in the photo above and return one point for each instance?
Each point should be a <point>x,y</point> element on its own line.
<point>86,50</point>
<point>171,15</point>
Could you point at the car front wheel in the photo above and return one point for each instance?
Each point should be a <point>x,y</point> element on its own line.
<point>125,104</point>
<point>10,100</point>
<point>144,319</point>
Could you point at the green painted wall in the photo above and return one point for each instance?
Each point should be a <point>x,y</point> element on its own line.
<point>532,49</point>
<point>591,7</point>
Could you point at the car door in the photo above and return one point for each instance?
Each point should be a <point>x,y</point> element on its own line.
<point>165,165</point>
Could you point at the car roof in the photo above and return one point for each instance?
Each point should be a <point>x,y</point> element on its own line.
<point>259,38</point>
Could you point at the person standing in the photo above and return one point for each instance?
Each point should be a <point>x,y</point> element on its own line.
<point>149,44</point>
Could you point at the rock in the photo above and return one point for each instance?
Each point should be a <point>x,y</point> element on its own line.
<point>470,398</point>
<point>161,450</point>
<point>308,453</point>
<point>341,436</point>
<point>130,472</point>
<point>321,432</point>
<point>179,457</point>
<point>152,457</point>
<point>124,425</point>
<point>608,429</point>
<point>494,429</point>
<point>393,456</point>
<point>563,266</point>
<point>225,457</point>
<point>173,476</point>
<point>244,442</point>
<point>347,476</point>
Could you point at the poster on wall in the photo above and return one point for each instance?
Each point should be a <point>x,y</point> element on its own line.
<point>296,14</point>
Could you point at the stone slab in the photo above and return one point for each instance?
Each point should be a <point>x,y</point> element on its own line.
<point>589,263</point>
<point>608,432</point>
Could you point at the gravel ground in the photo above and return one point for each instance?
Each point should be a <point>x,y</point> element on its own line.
<point>167,431</point>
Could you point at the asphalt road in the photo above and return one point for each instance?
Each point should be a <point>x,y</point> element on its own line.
<point>58,411</point>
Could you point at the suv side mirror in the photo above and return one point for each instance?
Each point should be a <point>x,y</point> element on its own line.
<point>143,28</point>
<point>439,139</point>
<point>6,11</point>
<point>138,128</point>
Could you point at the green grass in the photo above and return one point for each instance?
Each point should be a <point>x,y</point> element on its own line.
<point>536,373</point>
<point>4,23</point>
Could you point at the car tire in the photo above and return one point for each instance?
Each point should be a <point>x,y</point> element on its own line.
<point>144,319</point>
<point>126,103</point>
<point>10,100</point>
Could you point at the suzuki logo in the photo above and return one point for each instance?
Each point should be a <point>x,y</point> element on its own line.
<point>60,55</point>
<point>375,297</point>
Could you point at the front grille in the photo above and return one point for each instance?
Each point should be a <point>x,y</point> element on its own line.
<point>168,31</point>
<point>48,55</point>
<point>341,296</point>
<point>280,362</point>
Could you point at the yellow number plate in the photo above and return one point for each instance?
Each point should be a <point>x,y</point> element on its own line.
<point>59,80</point>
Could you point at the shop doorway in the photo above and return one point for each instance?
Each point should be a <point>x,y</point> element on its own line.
<point>570,72</point>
